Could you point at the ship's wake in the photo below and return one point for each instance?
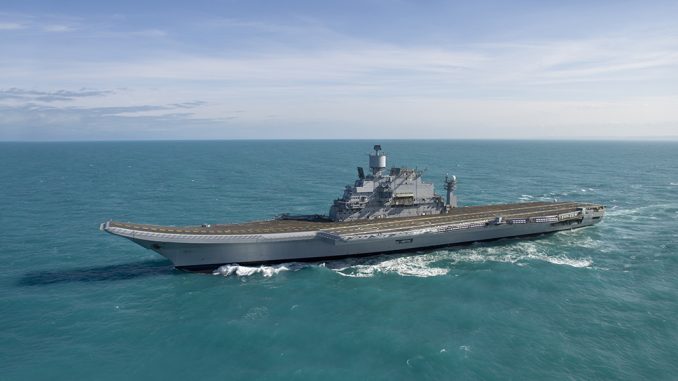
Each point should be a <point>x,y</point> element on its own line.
<point>431,264</point>
<point>555,196</point>
<point>413,265</point>
<point>442,262</point>
<point>266,271</point>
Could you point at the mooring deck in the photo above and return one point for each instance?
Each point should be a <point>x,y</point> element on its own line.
<point>457,215</point>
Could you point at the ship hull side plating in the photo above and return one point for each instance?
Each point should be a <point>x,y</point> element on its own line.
<point>208,252</point>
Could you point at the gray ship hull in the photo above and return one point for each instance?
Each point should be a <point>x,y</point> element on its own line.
<point>208,248</point>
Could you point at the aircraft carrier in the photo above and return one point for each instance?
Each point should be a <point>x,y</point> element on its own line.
<point>382,212</point>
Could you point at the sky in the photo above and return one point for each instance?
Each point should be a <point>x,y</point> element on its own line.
<point>139,70</point>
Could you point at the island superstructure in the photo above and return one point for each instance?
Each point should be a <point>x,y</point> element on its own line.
<point>400,193</point>
<point>382,212</point>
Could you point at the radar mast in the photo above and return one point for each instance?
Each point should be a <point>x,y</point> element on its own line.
<point>377,161</point>
<point>450,187</point>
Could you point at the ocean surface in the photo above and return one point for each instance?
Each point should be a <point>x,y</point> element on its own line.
<point>79,304</point>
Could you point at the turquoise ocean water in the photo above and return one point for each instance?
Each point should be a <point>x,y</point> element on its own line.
<point>79,304</point>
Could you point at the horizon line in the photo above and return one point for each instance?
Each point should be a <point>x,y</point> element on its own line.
<point>669,138</point>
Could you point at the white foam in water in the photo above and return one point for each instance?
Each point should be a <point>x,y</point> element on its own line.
<point>580,239</point>
<point>569,261</point>
<point>553,196</point>
<point>615,211</point>
<point>416,265</point>
<point>433,264</point>
<point>640,213</point>
<point>267,271</point>
<point>425,265</point>
<point>518,253</point>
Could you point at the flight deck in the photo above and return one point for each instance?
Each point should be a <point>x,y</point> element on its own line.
<point>508,212</point>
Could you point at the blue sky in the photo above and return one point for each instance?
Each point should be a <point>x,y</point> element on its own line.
<point>89,70</point>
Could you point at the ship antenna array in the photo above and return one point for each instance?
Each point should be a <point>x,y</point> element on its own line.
<point>450,187</point>
<point>377,160</point>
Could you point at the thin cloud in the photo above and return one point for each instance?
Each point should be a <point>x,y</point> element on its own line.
<point>39,22</point>
<point>317,81</point>
<point>384,65</point>
<point>51,96</point>
<point>148,33</point>
<point>150,110</point>
<point>56,28</point>
<point>130,111</point>
<point>192,104</point>
<point>11,26</point>
<point>48,122</point>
